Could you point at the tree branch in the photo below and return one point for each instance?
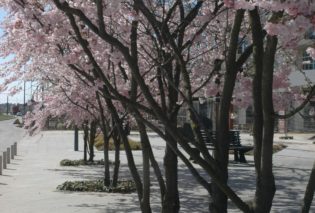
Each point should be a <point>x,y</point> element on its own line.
<point>299,108</point>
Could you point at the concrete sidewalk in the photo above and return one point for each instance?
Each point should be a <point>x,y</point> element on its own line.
<point>29,184</point>
<point>292,167</point>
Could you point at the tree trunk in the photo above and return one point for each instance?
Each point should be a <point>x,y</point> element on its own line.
<point>171,197</point>
<point>258,52</point>
<point>158,174</point>
<point>266,185</point>
<point>131,163</point>
<point>92,140</point>
<point>85,139</point>
<point>154,164</point>
<point>106,159</point>
<point>145,144</point>
<point>309,192</point>
<point>264,116</point>
<point>117,158</point>
<point>221,154</point>
<point>106,142</point>
<point>170,201</point>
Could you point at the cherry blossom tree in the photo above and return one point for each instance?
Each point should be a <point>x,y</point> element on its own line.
<point>264,59</point>
<point>149,58</point>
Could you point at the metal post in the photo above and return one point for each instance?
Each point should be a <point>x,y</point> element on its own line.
<point>4,160</point>
<point>8,155</point>
<point>76,138</point>
<point>285,127</point>
<point>12,151</point>
<point>0,165</point>
<point>15,148</point>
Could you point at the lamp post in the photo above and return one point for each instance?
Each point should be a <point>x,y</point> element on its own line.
<point>284,124</point>
<point>233,116</point>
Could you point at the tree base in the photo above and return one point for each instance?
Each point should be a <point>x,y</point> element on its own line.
<point>123,186</point>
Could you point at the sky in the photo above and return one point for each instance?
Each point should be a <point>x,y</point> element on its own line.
<point>18,98</point>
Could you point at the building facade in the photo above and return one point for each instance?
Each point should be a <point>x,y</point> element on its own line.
<point>242,118</point>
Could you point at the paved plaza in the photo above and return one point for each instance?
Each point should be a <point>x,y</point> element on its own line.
<point>29,184</point>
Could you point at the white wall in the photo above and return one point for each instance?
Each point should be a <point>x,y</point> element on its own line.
<point>298,79</point>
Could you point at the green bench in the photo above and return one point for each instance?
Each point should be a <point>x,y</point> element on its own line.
<point>210,138</point>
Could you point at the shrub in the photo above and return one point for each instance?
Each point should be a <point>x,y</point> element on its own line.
<point>17,121</point>
<point>123,186</point>
<point>67,162</point>
<point>276,148</point>
<point>99,144</point>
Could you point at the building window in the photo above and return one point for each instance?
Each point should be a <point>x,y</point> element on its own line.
<point>308,62</point>
<point>162,3</point>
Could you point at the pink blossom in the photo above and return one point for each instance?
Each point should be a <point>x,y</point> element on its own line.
<point>229,3</point>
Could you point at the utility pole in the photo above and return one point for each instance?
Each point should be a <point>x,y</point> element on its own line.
<point>7,105</point>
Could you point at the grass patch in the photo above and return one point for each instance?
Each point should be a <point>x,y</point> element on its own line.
<point>4,117</point>
<point>276,148</point>
<point>123,186</point>
<point>67,162</point>
<point>99,144</point>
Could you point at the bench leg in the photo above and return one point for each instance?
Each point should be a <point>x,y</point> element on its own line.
<point>242,157</point>
<point>236,156</point>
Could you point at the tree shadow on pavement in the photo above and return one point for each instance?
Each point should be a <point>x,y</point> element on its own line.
<point>290,184</point>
